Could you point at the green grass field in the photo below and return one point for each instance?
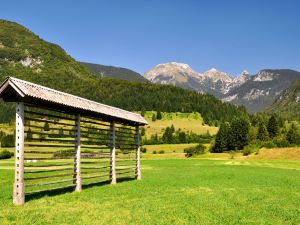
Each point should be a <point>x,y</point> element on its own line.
<point>184,121</point>
<point>177,191</point>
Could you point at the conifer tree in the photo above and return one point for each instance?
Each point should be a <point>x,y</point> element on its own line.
<point>153,117</point>
<point>262,133</point>
<point>273,127</point>
<point>293,135</point>
<point>239,130</point>
<point>158,115</point>
<point>222,138</point>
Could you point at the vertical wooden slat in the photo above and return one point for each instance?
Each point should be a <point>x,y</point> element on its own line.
<point>113,153</point>
<point>138,154</point>
<point>19,187</point>
<point>78,156</point>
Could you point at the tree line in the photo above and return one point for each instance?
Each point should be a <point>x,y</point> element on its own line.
<point>173,136</point>
<point>261,130</point>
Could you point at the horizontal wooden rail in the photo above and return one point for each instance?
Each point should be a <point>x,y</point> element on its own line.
<point>50,165</point>
<point>49,183</point>
<point>49,115</point>
<point>51,176</point>
<point>49,140</point>
<point>100,167</point>
<point>96,172</point>
<point>48,121</point>
<point>50,134</point>
<point>53,158</point>
<point>92,122</point>
<point>94,162</point>
<point>41,152</point>
<point>125,172</point>
<point>48,146</point>
<point>94,147</point>
<point>48,171</point>
<point>95,142</point>
<point>29,126</point>
<point>29,105</point>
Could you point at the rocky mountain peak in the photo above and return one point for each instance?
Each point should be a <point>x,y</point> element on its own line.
<point>252,91</point>
<point>171,73</point>
<point>216,75</point>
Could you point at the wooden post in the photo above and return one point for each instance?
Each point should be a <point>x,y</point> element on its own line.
<point>78,156</point>
<point>19,187</point>
<point>113,178</point>
<point>138,154</point>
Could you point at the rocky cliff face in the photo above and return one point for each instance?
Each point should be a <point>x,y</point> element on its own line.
<point>253,91</point>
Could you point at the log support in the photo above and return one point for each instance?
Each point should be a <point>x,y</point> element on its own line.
<point>113,178</point>
<point>19,187</point>
<point>77,171</point>
<point>138,154</point>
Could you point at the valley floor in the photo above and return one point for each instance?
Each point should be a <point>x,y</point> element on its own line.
<point>172,191</point>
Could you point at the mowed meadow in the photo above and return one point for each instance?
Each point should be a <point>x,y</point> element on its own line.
<point>187,122</point>
<point>172,191</point>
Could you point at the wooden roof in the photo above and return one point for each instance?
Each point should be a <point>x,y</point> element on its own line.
<point>13,89</point>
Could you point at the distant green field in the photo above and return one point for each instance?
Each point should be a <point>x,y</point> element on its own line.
<point>6,128</point>
<point>184,121</point>
<point>174,191</point>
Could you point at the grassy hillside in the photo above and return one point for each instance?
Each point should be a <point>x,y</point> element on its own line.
<point>287,103</point>
<point>114,72</point>
<point>183,121</point>
<point>171,192</point>
<point>26,56</point>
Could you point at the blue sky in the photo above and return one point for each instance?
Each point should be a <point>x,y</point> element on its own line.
<point>230,35</point>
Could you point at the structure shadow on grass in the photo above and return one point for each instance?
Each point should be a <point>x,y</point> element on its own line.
<point>64,190</point>
<point>41,194</point>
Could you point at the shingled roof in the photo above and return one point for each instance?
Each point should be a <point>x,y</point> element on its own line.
<point>13,89</point>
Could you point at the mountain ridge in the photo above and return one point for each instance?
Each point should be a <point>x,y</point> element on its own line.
<point>288,102</point>
<point>254,91</point>
<point>104,71</point>
<point>26,56</point>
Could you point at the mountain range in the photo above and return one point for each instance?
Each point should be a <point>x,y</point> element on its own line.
<point>288,102</point>
<point>114,72</point>
<point>255,92</point>
<point>25,55</point>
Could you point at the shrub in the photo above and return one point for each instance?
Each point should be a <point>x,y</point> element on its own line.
<point>143,150</point>
<point>6,154</point>
<point>251,148</point>
<point>161,152</point>
<point>269,144</point>
<point>197,150</point>
<point>8,141</point>
<point>281,142</point>
<point>154,152</point>
<point>232,154</point>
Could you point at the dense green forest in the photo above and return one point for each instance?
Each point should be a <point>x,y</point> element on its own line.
<point>26,56</point>
<point>262,130</point>
<point>287,104</point>
<point>114,72</point>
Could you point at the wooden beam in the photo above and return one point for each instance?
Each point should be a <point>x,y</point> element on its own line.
<point>138,154</point>
<point>113,179</point>
<point>19,187</point>
<point>78,187</point>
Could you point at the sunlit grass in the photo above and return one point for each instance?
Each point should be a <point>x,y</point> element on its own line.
<point>184,121</point>
<point>172,192</point>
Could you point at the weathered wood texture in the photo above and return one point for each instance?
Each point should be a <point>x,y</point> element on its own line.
<point>55,149</point>
<point>19,188</point>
